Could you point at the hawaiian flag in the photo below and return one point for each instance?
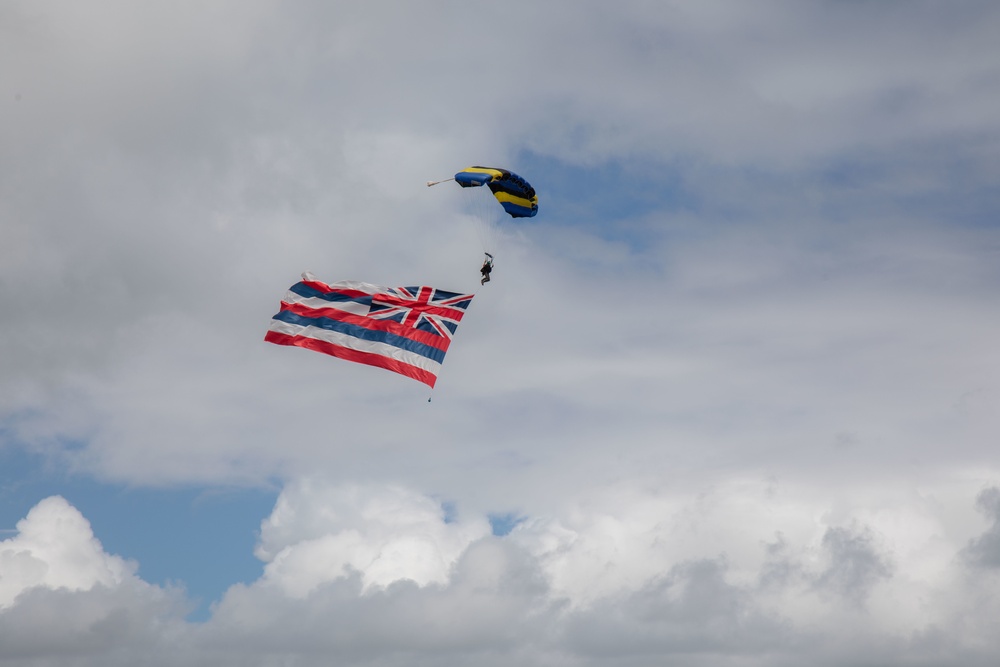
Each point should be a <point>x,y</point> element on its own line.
<point>406,330</point>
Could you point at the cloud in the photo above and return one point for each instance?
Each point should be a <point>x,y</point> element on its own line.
<point>492,602</point>
<point>55,549</point>
<point>189,199</point>
<point>692,609</point>
<point>854,563</point>
<point>319,533</point>
<point>984,551</point>
<point>63,597</point>
<point>632,579</point>
<point>361,589</point>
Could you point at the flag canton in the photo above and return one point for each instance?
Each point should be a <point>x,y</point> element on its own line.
<point>427,309</point>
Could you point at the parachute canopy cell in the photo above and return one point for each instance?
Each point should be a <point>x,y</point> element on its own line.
<point>513,192</point>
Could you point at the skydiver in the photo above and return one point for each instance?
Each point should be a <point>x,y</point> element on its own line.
<point>486,269</point>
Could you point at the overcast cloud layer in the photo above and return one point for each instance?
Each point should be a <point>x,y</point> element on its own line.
<point>731,399</point>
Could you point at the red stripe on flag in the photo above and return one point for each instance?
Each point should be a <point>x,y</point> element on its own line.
<point>358,356</point>
<point>440,342</point>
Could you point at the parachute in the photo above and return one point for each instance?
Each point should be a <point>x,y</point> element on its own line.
<point>513,192</point>
<point>515,196</point>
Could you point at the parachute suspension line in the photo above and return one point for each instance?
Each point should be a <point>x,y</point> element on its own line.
<point>430,183</point>
<point>486,215</point>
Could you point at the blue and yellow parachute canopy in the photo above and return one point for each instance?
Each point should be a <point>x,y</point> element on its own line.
<point>513,192</point>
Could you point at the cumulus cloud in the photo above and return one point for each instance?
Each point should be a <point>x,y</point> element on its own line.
<point>55,549</point>
<point>691,609</point>
<point>835,598</point>
<point>62,597</point>
<point>835,589</point>
<point>492,603</point>
<point>319,533</point>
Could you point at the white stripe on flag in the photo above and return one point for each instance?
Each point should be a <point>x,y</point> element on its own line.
<point>352,307</point>
<point>353,343</point>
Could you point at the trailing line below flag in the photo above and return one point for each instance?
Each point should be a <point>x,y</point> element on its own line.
<point>406,330</point>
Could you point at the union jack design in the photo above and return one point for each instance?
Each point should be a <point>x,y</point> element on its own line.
<point>406,330</point>
<point>425,308</point>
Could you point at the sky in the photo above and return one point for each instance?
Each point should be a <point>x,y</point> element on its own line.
<point>730,399</point>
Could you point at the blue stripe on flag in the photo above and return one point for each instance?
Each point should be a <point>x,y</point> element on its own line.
<point>360,332</point>
<point>306,291</point>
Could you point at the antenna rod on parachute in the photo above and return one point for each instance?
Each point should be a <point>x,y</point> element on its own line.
<point>430,183</point>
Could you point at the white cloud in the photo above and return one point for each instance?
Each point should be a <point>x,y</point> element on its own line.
<point>658,576</point>
<point>62,597</point>
<point>55,549</point>
<point>318,533</point>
